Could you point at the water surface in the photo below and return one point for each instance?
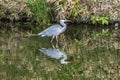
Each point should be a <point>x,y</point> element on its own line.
<point>91,53</point>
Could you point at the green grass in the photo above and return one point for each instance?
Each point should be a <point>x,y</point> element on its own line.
<point>99,19</point>
<point>41,11</point>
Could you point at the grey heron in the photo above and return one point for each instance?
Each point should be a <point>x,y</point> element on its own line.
<point>55,30</point>
<point>55,53</point>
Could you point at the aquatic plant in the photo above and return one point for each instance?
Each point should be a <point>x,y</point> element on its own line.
<point>99,19</point>
<point>104,32</point>
<point>118,6</point>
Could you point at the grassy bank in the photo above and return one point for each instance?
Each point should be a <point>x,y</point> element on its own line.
<point>41,11</point>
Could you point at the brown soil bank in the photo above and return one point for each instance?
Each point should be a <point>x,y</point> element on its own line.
<point>94,11</point>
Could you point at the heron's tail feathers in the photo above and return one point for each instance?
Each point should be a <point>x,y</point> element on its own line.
<point>42,49</point>
<point>40,34</point>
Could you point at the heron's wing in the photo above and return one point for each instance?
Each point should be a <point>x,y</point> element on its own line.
<point>51,31</point>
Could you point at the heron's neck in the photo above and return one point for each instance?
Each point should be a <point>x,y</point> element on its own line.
<point>63,60</point>
<point>62,24</point>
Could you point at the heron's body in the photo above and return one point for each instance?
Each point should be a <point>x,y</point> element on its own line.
<point>55,30</point>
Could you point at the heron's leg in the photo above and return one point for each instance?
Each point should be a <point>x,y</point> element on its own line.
<point>57,45</point>
<point>53,46</point>
<point>56,38</point>
<point>57,41</point>
<point>52,38</point>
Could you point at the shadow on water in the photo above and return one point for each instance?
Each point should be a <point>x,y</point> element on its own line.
<point>93,54</point>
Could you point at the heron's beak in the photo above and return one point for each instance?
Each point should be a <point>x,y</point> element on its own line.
<point>68,21</point>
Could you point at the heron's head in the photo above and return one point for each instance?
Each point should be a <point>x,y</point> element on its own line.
<point>63,21</point>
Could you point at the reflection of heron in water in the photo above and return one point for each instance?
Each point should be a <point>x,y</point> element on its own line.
<point>55,53</point>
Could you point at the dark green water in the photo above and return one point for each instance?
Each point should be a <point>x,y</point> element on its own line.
<point>92,54</point>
